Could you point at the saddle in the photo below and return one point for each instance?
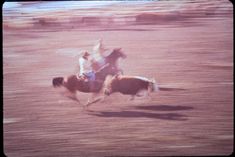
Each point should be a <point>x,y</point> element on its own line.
<point>91,85</point>
<point>83,78</point>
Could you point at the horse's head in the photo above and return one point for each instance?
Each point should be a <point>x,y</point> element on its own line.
<point>110,67</point>
<point>118,53</point>
<point>57,81</point>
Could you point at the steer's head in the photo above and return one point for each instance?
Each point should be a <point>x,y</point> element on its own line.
<point>58,81</point>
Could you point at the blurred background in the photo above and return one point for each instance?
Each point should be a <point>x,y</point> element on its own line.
<point>182,44</point>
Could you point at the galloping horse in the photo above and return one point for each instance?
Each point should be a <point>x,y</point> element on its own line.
<point>110,59</point>
<point>73,83</point>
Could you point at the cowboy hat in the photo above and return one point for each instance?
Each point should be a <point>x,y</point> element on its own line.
<point>85,54</point>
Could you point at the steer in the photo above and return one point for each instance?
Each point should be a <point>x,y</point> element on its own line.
<point>129,85</point>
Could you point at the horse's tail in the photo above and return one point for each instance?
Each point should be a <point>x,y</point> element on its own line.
<point>154,85</point>
<point>57,81</point>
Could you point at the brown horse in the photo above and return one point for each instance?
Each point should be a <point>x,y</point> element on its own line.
<point>74,83</point>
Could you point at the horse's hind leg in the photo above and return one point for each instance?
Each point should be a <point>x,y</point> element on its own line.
<point>74,97</point>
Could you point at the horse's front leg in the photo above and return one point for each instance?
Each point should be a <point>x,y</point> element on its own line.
<point>103,98</point>
<point>71,95</point>
<point>91,100</point>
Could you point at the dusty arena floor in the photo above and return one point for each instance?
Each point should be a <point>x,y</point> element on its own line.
<point>192,58</point>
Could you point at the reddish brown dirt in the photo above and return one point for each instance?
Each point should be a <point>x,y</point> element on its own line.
<point>195,56</point>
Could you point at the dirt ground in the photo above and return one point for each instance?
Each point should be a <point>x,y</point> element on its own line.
<point>195,55</point>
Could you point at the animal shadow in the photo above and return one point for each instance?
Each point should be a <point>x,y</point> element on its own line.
<point>143,114</point>
<point>163,107</point>
<point>168,89</point>
<point>139,114</point>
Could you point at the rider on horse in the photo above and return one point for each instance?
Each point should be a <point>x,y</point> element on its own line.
<point>99,53</point>
<point>86,71</point>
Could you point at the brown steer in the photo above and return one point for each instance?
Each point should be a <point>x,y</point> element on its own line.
<point>129,85</point>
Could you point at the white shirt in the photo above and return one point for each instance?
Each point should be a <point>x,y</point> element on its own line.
<point>85,66</point>
<point>99,52</point>
<point>99,49</point>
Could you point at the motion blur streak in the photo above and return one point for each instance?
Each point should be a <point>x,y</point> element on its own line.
<point>187,46</point>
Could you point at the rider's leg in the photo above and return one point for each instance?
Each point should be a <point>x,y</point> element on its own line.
<point>91,76</point>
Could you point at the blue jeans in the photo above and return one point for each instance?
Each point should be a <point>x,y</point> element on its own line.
<point>90,76</point>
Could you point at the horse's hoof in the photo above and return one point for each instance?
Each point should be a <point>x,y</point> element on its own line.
<point>85,107</point>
